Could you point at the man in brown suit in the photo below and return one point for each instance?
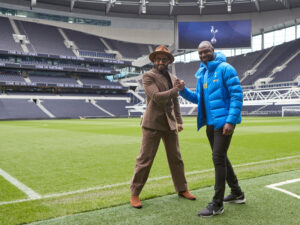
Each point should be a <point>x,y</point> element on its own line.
<point>159,122</point>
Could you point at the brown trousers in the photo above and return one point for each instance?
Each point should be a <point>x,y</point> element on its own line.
<point>150,143</point>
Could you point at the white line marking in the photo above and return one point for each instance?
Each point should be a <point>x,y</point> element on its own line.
<point>16,201</point>
<point>275,187</point>
<point>150,179</point>
<point>27,190</point>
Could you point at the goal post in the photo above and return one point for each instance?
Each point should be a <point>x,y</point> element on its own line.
<point>290,110</point>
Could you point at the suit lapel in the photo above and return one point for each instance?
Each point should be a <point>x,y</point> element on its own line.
<point>160,81</point>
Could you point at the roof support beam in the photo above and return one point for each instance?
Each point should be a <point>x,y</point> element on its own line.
<point>228,2</point>
<point>287,4</point>
<point>72,3</point>
<point>257,5</point>
<point>172,4</point>
<point>201,5</point>
<point>32,3</point>
<point>142,8</point>
<point>109,4</point>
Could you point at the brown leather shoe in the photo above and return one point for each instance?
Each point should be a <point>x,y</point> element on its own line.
<point>187,194</point>
<point>135,202</point>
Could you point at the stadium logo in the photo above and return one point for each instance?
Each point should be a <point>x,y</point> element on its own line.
<point>213,31</point>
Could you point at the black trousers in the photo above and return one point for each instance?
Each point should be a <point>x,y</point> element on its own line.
<point>223,169</point>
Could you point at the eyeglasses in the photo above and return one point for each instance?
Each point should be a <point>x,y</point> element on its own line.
<point>164,60</point>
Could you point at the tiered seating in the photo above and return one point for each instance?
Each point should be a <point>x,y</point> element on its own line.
<point>185,110</point>
<point>91,81</point>
<point>290,73</point>
<point>20,109</point>
<point>7,42</point>
<point>72,108</point>
<point>250,108</point>
<point>276,58</point>
<point>46,39</point>
<point>85,41</point>
<point>31,93</point>
<point>116,107</point>
<point>186,72</point>
<point>245,62</point>
<point>128,50</point>
<point>11,77</point>
<point>99,82</point>
<point>52,79</point>
<point>93,54</point>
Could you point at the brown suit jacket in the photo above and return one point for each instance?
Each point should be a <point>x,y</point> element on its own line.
<point>162,111</point>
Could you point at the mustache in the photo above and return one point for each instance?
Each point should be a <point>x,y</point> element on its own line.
<point>165,68</point>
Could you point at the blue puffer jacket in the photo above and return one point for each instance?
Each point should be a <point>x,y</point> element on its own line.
<point>225,93</point>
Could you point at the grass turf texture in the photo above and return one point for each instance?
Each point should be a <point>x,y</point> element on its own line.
<point>263,206</point>
<point>66,155</point>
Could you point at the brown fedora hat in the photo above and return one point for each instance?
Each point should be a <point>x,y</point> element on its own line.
<point>161,50</point>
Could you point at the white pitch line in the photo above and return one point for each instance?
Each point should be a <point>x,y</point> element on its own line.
<point>275,187</point>
<point>86,190</point>
<point>150,179</point>
<point>16,201</point>
<point>27,190</point>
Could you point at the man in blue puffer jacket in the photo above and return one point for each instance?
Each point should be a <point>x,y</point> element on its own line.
<point>220,98</point>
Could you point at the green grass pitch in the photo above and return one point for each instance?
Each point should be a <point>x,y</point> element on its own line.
<point>94,159</point>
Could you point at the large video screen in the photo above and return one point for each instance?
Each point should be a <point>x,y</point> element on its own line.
<point>222,34</point>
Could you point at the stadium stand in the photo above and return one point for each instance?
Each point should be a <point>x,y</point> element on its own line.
<point>278,55</point>
<point>93,80</point>
<point>52,79</point>
<point>80,39</point>
<point>45,39</point>
<point>245,62</point>
<point>186,71</point>
<point>117,107</point>
<point>20,109</point>
<point>290,72</point>
<point>6,36</point>
<point>11,77</point>
<point>187,110</point>
<point>72,108</point>
<point>128,50</point>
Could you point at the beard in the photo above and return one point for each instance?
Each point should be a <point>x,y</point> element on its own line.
<point>161,68</point>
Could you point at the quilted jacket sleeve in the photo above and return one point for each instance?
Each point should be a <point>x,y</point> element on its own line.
<point>233,85</point>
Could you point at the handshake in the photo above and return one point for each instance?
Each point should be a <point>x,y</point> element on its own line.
<point>179,84</point>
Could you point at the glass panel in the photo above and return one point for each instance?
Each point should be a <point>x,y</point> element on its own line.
<point>194,56</point>
<point>238,51</point>
<point>256,43</point>
<point>187,57</point>
<point>290,33</point>
<point>268,40</point>
<point>227,52</point>
<point>279,36</point>
<point>246,50</point>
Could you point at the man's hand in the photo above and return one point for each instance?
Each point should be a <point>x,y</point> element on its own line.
<point>179,84</point>
<point>228,129</point>
<point>179,127</point>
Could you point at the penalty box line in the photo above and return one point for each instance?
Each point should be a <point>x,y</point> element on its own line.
<point>27,190</point>
<point>33,195</point>
<point>276,187</point>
